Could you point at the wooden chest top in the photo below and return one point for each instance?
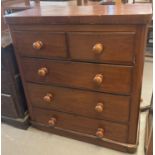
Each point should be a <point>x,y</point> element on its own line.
<point>95,14</point>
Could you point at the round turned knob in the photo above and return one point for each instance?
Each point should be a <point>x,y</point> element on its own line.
<point>98,79</point>
<point>38,45</point>
<point>52,121</point>
<point>42,71</point>
<point>100,133</point>
<point>48,98</point>
<point>99,107</point>
<point>98,48</point>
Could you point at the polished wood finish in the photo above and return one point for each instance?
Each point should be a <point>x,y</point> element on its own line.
<point>106,47</point>
<point>85,125</point>
<point>97,28</point>
<point>87,138</point>
<point>80,102</point>
<point>48,44</point>
<point>92,14</point>
<point>116,79</point>
<point>94,60</point>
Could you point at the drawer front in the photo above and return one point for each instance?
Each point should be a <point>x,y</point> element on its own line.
<point>115,47</point>
<point>99,77</point>
<point>40,44</point>
<point>85,103</point>
<point>111,131</point>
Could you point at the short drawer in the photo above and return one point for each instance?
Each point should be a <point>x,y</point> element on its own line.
<point>105,129</point>
<point>40,44</point>
<point>84,103</point>
<point>109,47</point>
<point>98,77</point>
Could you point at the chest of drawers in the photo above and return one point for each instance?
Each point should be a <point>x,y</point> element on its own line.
<point>82,70</point>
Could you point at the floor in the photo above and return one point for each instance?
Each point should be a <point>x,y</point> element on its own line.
<point>35,142</point>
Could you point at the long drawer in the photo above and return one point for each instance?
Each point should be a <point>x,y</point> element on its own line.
<point>85,103</point>
<point>98,77</point>
<point>111,47</point>
<point>113,131</point>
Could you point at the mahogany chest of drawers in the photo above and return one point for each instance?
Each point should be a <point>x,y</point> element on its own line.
<point>82,70</point>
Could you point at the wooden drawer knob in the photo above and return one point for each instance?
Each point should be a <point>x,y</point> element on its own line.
<point>98,79</point>
<point>98,48</point>
<point>42,71</point>
<point>38,45</point>
<point>48,98</point>
<point>52,121</point>
<point>99,107</point>
<point>100,133</point>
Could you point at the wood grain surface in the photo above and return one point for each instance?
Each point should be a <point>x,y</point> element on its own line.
<point>116,79</point>
<point>64,80</point>
<point>115,107</point>
<point>54,44</point>
<point>117,46</point>
<point>95,14</point>
<point>113,131</point>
